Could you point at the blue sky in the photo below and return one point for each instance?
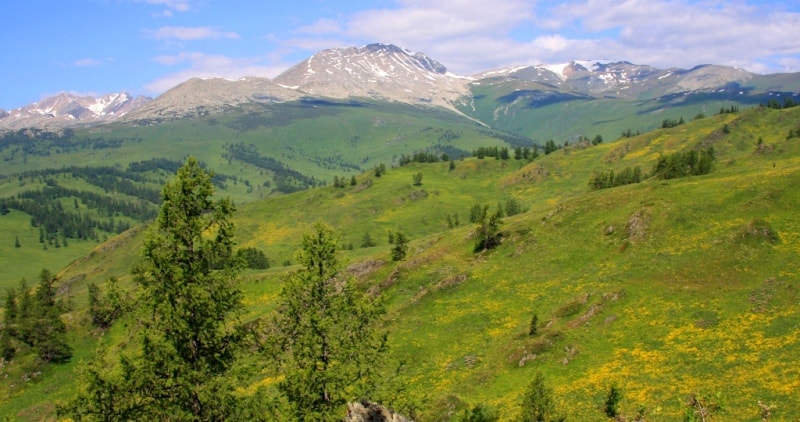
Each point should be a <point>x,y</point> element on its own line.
<point>146,47</point>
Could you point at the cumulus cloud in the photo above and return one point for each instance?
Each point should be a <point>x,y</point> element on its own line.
<point>202,65</point>
<point>188,33</point>
<point>470,35</point>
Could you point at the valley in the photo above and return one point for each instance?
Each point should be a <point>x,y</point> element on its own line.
<point>677,283</point>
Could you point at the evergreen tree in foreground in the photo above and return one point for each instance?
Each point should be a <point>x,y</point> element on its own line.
<point>328,335</point>
<point>187,339</point>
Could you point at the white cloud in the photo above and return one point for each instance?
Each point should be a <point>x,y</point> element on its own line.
<point>202,65</point>
<point>682,33</point>
<point>188,33</point>
<point>87,62</point>
<point>322,26</point>
<point>176,5</point>
<point>426,22</point>
<point>468,36</point>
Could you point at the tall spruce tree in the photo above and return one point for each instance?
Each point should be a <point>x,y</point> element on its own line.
<point>188,305</point>
<point>48,334</point>
<point>328,335</point>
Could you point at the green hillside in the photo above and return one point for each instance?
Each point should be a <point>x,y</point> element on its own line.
<point>113,175</point>
<point>541,111</point>
<point>662,288</point>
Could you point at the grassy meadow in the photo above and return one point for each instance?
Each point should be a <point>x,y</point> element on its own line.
<point>662,288</point>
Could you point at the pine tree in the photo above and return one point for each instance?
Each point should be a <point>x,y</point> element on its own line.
<point>488,232</point>
<point>400,248</point>
<point>327,334</point>
<point>611,405</point>
<point>417,178</point>
<point>537,402</point>
<point>188,339</point>
<point>534,328</point>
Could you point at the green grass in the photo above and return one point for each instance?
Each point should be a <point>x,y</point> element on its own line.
<point>662,288</point>
<point>541,118</point>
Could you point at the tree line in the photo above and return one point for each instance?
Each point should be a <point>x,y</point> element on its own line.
<point>32,323</point>
<point>47,210</point>
<point>684,163</point>
<point>607,179</point>
<point>42,142</point>
<point>788,102</point>
<point>286,180</point>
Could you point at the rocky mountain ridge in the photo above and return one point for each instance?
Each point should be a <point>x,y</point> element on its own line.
<point>381,72</point>
<point>71,110</point>
<point>620,78</point>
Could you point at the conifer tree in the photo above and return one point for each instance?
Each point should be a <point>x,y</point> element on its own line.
<point>488,232</point>
<point>187,339</point>
<point>400,248</point>
<point>327,334</point>
<point>537,402</point>
<point>47,331</point>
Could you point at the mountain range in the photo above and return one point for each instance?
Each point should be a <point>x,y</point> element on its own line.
<point>385,72</point>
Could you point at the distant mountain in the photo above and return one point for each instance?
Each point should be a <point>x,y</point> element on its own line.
<point>622,79</point>
<point>200,97</point>
<point>377,71</point>
<point>385,72</point>
<point>71,110</point>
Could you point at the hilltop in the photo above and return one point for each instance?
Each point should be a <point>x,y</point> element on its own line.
<point>663,288</point>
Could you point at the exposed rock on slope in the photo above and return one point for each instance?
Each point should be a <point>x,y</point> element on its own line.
<point>365,411</point>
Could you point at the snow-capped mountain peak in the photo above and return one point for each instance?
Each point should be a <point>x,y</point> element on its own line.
<point>69,109</point>
<point>382,71</point>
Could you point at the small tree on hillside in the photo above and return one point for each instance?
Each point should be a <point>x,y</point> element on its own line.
<point>611,405</point>
<point>366,241</point>
<point>417,179</point>
<point>488,232</point>
<point>534,327</point>
<point>328,335</point>
<point>400,247</point>
<point>537,402</point>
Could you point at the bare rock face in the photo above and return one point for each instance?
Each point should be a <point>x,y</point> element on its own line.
<point>365,411</point>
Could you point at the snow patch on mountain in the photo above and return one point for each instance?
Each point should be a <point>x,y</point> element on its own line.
<point>376,71</point>
<point>70,110</point>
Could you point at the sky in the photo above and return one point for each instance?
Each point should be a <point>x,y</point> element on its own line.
<point>146,47</point>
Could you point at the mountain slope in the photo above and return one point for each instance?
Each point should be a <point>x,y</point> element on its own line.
<point>662,288</point>
<point>202,97</point>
